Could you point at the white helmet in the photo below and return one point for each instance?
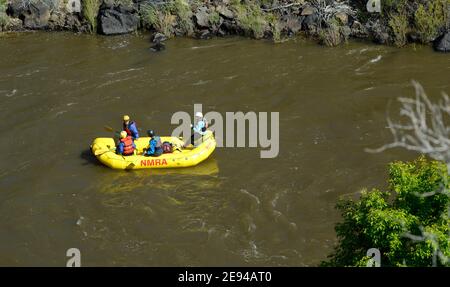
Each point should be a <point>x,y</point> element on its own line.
<point>199,114</point>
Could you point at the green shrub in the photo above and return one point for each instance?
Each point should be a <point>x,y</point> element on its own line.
<point>90,13</point>
<point>158,18</point>
<point>399,27</point>
<point>164,17</point>
<point>274,24</point>
<point>214,18</point>
<point>377,220</point>
<point>430,18</point>
<point>250,18</point>
<point>182,10</point>
<point>4,19</point>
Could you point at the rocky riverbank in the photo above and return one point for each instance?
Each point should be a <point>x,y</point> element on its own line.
<point>330,22</point>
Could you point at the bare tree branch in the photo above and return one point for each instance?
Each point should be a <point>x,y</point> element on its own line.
<point>426,127</point>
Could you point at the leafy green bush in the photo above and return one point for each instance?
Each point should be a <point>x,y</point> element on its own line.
<point>158,18</point>
<point>409,229</point>
<point>90,12</point>
<point>4,19</point>
<point>274,24</point>
<point>250,18</point>
<point>399,27</point>
<point>164,17</point>
<point>430,18</point>
<point>182,10</point>
<point>214,18</point>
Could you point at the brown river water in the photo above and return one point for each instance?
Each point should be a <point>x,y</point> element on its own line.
<point>58,91</point>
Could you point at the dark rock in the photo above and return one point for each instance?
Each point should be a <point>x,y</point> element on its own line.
<point>33,15</point>
<point>378,32</point>
<point>442,44</point>
<point>37,16</point>
<point>115,20</point>
<point>159,37</point>
<point>358,30</point>
<point>230,27</point>
<point>204,34</point>
<point>158,47</point>
<point>221,33</point>
<point>310,23</point>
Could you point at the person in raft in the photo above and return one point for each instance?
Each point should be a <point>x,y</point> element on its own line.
<point>198,129</point>
<point>126,145</point>
<point>130,127</point>
<point>155,146</point>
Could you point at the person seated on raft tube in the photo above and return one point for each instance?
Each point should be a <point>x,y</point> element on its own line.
<point>126,145</point>
<point>198,130</point>
<point>130,127</point>
<point>155,146</point>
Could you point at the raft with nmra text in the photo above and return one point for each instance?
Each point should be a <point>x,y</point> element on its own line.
<point>104,150</point>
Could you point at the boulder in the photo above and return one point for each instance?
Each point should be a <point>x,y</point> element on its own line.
<point>158,47</point>
<point>378,32</point>
<point>202,17</point>
<point>34,15</point>
<point>159,37</point>
<point>442,44</point>
<point>37,16</point>
<point>225,12</point>
<point>115,20</point>
<point>358,30</point>
<point>310,22</point>
<point>204,34</point>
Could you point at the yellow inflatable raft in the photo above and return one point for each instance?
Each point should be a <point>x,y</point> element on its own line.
<point>105,151</point>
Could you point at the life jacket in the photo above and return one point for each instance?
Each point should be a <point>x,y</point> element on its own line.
<point>128,148</point>
<point>125,127</point>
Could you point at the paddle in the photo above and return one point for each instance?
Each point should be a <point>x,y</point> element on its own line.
<point>110,129</point>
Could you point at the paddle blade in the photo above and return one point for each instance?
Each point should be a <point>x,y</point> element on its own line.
<point>108,128</point>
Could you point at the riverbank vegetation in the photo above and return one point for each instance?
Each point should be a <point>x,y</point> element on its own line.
<point>4,19</point>
<point>409,224</point>
<point>331,22</point>
<point>90,12</point>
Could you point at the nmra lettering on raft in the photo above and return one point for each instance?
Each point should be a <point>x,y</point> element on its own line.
<point>153,162</point>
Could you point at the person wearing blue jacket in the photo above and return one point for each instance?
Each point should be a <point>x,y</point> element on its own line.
<point>155,145</point>
<point>130,127</point>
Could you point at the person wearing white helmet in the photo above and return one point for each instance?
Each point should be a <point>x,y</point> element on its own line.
<point>198,129</point>
<point>126,145</point>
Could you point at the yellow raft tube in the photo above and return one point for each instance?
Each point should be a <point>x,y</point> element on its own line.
<point>105,151</point>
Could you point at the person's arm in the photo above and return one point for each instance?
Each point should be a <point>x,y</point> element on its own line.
<point>199,127</point>
<point>151,149</point>
<point>134,131</point>
<point>119,149</point>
